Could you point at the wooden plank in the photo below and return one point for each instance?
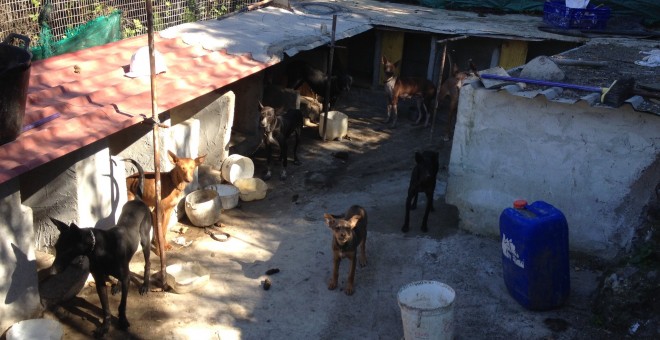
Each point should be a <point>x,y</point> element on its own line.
<point>513,54</point>
<point>392,48</point>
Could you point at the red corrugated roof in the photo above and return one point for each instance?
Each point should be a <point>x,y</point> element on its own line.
<point>100,100</point>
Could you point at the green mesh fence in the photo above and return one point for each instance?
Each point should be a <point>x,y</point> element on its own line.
<point>102,30</point>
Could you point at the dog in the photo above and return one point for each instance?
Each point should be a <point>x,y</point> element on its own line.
<point>276,131</point>
<point>421,89</point>
<point>348,232</point>
<point>299,72</point>
<point>423,179</point>
<point>109,252</point>
<point>172,185</point>
<point>451,88</point>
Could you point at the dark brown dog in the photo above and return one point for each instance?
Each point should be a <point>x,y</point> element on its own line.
<point>172,186</point>
<point>348,232</point>
<point>421,89</point>
<point>451,88</point>
<point>276,131</point>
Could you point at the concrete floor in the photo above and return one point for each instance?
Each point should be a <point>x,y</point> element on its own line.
<point>286,231</point>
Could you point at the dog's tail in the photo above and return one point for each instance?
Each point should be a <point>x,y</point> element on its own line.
<point>140,188</point>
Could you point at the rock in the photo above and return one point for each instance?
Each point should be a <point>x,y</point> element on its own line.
<point>542,68</point>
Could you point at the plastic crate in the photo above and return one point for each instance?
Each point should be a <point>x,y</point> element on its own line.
<point>557,14</point>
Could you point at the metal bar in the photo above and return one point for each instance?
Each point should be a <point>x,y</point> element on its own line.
<point>158,227</point>
<point>328,82</point>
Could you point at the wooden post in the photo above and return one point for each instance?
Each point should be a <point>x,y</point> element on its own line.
<point>154,116</point>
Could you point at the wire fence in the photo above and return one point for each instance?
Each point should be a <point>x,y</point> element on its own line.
<point>26,17</point>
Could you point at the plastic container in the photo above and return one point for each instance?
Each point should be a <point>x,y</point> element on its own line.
<point>15,64</point>
<point>236,167</point>
<point>251,189</point>
<point>557,14</point>
<point>427,310</point>
<point>203,207</point>
<point>535,257</point>
<point>187,277</point>
<point>337,125</point>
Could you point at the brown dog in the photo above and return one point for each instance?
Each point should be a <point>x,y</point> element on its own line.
<point>348,232</point>
<point>172,185</point>
<point>421,89</point>
<point>451,87</point>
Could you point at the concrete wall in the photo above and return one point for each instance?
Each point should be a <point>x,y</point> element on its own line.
<point>597,165</point>
<point>18,268</point>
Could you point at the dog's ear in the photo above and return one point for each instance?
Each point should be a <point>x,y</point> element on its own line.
<point>354,221</point>
<point>383,60</point>
<point>172,157</point>
<point>329,220</point>
<point>199,160</point>
<point>61,226</point>
<point>261,106</point>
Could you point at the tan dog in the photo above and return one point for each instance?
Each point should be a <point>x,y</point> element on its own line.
<point>172,185</point>
<point>451,87</point>
<point>348,232</point>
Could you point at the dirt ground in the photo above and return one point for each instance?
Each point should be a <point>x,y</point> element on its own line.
<point>286,231</point>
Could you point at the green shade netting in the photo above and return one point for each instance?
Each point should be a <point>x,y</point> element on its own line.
<point>102,30</point>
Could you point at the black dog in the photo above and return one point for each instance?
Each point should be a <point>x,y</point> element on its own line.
<point>299,72</point>
<point>109,252</point>
<point>277,130</point>
<point>422,180</point>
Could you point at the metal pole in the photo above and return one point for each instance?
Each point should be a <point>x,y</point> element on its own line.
<point>160,236</point>
<point>328,82</point>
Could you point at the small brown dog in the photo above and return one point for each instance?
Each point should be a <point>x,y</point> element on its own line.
<point>172,185</point>
<point>451,87</point>
<point>348,232</point>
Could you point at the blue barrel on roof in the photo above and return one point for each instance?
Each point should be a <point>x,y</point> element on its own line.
<point>535,257</point>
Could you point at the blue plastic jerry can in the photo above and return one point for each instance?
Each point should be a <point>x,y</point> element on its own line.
<point>535,254</point>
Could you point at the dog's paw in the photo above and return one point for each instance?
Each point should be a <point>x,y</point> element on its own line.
<point>405,229</point>
<point>144,289</point>
<point>425,229</point>
<point>349,290</point>
<point>332,285</point>
<point>115,288</point>
<point>267,176</point>
<point>123,324</point>
<point>102,330</point>
<point>363,263</point>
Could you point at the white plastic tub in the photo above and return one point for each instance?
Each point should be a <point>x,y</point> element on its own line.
<point>228,193</point>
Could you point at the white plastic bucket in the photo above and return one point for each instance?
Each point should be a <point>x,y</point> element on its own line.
<point>235,167</point>
<point>337,125</point>
<point>427,310</point>
<point>228,194</point>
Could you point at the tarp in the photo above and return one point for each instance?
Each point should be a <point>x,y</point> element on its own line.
<point>646,10</point>
<point>100,31</point>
